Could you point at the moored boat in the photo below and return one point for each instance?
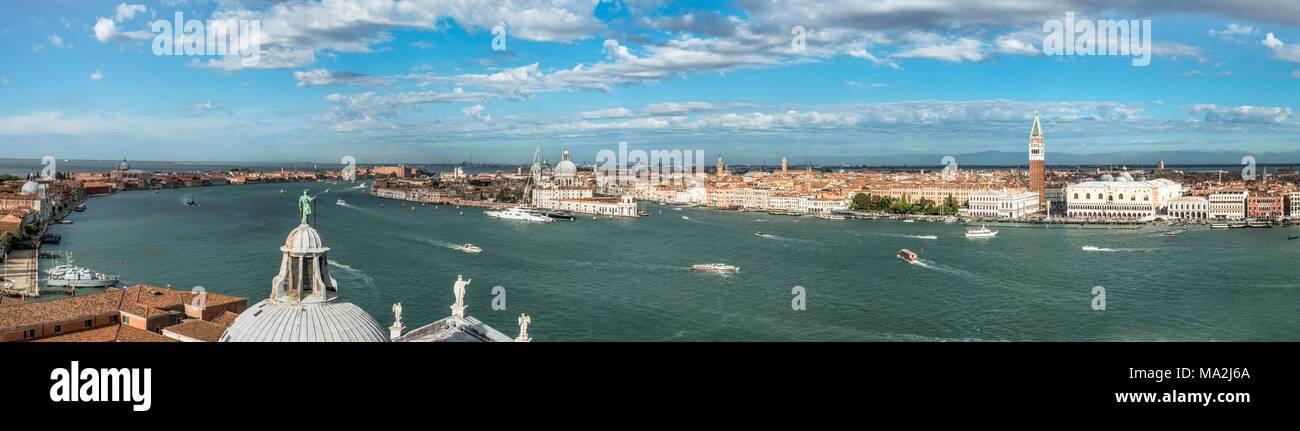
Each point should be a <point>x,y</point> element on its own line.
<point>81,277</point>
<point>517,214</point>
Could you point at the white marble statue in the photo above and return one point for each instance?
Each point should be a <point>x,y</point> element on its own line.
<point>458,309</point>
<point>524,320</point>
<point>397,314</point>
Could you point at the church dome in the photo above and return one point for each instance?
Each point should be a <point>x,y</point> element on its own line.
<point>30,188</point>
<point>1106,178</point>
<point>326,321</point>
<point>566,168</point>
<point>304,239</point>
<point>123,166</point>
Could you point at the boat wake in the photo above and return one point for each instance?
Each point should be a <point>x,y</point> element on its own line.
<point>900,235</point>
<point>1124,250</point>
<point>354,273</point>
<point>441,243</point>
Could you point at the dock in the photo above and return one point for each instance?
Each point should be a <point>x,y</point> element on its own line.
<point>23,268</point>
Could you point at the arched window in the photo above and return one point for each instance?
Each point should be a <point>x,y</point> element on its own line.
<point>1089,195</point>
<point>1121,196</point>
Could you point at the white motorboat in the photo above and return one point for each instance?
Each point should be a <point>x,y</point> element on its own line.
<point>470,248</point>
<point>714,267</point>
<point>1091,248</point>
<point>981,232</point>
<point>340,202</point>
<point>81,277</point>
<point>517,213</point>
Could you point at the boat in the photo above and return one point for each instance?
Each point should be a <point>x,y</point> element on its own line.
<point>1219,226</point>
<point>470,248</point>
<point>715,267</point>
<point>340,202</point>
<point>685,218</point>
<point>1292,237</point>
<point>677,208</point>
<point>80,208</point>
<point>908,220</point>
<point>981,232</point>
<point>950,219</point>
<point>189,200</point>
<point>1239,225</point>
<point>908,255</point>
<point>64,221</point>
<point>81,277</point>
<point>830,217</point>
<point>760,234</point>
<point>517,213</point>
<point>1091,248</point>
<point>557,215</point>
<point>642,213</point>
<point>1259,224</point>
<point>1171,233</point>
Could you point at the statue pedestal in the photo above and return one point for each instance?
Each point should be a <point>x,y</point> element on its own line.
<point>458,310</point>
<point>395,331</point>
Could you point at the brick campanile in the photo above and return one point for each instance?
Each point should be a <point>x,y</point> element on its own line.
<point>1037,170</point>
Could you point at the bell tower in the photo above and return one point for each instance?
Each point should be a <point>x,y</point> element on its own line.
<point>1037,169</point>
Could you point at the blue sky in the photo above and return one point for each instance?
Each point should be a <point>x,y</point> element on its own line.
<point>419,81</point>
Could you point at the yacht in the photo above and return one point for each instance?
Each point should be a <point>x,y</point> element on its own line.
<point>981,232</point>
<point>908,255</point>
<point>517,213</point>
<point>715,267</point>
<point>81,277</point>
<point>470,248</point>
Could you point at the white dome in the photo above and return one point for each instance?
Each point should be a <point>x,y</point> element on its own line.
<point>123,166</point>
<point>566,169</point>
<point>30,188</point>
<point>1107,178</point>
<point>304,239</point>
<point>325,321</point>
<point>1126,176</point>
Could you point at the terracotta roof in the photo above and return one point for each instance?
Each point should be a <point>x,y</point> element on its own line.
<point>198,329</point>
<point>6,301</point>
<point>60,310</point>
<point>225,318</point>
<point>118,333</point>
<point>143,296</point>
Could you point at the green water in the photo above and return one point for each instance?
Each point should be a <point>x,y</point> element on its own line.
<point>627,279</point>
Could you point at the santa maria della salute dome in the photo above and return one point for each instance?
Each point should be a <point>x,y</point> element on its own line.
<point>304,304</point>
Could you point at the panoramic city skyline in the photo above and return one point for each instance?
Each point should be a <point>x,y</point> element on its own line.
<point>425,82</point>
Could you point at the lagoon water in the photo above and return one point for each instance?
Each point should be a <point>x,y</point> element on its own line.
<point>628,279</point>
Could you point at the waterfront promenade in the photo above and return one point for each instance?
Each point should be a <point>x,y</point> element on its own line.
<point>23,268</point>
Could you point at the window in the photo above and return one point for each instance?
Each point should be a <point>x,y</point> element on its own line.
<point>30,333</point>
<point>58,329</point>
<point>89,322</point>
<point>112,319</point>
<point>126,320</point>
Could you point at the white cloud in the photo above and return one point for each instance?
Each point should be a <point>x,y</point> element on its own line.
<point>58,42</point>
<point>36,48</point>
<point>619,112</point>
<point>1176,51</point>
<point>476,112</point>
<point>96,76</point>
<point>1232,31</point>
<point>1295,73</point>
<point>962,49</point>
<point>1020,43</point>
<point>1280,50</point>
<point>106,31</point>
<point>127,11</point>
<point>865,55</point>
<point>1210,113</point>
<point>324,77</point>
<point>678,108</point>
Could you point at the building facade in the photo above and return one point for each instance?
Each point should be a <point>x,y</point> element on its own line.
<point>1227,205</point>
<point>1001,204</point>
<point>1189,207</point>
<point>1120,198</point>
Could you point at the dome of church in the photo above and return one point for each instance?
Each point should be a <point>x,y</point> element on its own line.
<point>325,321</point>
<point>1125,177</point>
<point>304,239</point>
<point>566,168</point>
<point>304,304</point>
<point>1106,178</point>
<point>30,188</point>
<point>123,165</point>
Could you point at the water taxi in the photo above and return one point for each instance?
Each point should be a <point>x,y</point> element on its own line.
<point>714,267</point>
<point>908,255</point>
<point>470,248</point>
<point>981,232</point>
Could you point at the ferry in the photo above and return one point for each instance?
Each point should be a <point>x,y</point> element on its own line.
<point>470,248</point>
<point>1219,226</point>
<point>908,255</point>
<point>981,232</point>
<point>830,217</point>
<point>1259,224</point>
<point>715,267</point>
<point>517,213</point>
<point>81,277</point>
<point>1239,225</point>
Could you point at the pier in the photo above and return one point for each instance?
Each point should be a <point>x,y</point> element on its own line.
<point>22,267</point>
